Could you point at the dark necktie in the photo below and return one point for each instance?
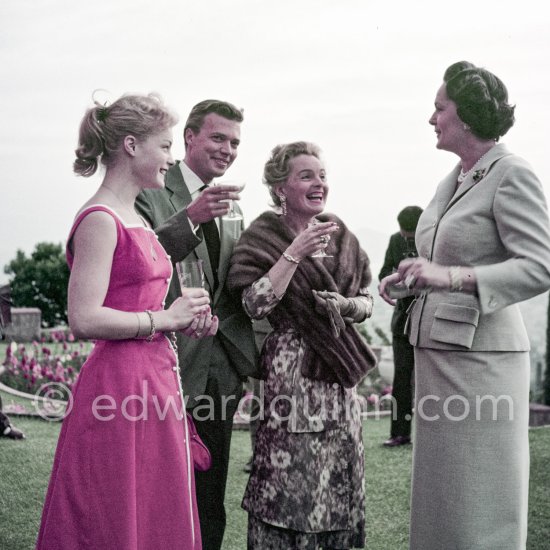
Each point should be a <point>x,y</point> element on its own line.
<point>212,238</point>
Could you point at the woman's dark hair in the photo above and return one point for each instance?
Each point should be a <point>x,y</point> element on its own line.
<point>481,99</point>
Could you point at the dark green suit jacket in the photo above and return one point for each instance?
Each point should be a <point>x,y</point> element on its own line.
<point>165,210</point>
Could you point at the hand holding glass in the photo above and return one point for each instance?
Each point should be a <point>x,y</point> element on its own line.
<point>190,273</point>
<point>324,240</point>
<point>232,214</point>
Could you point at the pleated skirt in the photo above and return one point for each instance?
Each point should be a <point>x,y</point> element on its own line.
<point>471,450</point>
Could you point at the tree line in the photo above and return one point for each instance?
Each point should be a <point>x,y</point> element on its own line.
<point>40,280</point>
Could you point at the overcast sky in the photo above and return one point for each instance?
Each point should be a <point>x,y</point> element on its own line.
<point>358,77</point>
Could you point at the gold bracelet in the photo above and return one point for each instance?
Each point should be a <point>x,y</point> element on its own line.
<point>290,258</point>
<point>153,328</point>
<point>456,279</point>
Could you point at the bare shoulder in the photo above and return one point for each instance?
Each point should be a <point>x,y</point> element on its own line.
<point>98,228</point>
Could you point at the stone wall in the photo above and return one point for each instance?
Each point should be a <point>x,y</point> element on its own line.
<point>25,324</point>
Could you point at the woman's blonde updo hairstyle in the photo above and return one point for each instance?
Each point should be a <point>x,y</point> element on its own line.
<point>277,168</point>
<point>104,128</point>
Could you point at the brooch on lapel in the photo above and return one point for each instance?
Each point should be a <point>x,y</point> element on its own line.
<point>479,175</point>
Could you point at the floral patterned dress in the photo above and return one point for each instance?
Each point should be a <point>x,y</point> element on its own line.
<point>306,489</point>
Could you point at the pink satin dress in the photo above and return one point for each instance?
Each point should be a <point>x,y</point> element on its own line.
<point>123,475</point>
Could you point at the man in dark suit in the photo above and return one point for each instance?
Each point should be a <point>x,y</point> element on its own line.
<point>401,246</point>
<point>187,217</point>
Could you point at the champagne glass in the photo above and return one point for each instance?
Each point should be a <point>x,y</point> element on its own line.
<point>190,273</point>
<point>399,291</point>
<point>232,214</point>
<point>325,239</point>
<point>232,227</point>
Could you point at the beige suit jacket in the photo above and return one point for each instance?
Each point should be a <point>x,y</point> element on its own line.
<point>497,223</point>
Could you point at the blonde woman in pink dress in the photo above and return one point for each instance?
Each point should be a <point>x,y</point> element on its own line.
<point>123,473</point>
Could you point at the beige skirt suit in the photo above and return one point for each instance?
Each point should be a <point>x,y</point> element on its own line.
<point>471,454</point>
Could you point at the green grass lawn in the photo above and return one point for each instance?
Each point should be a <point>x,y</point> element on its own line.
<point>26,467</point>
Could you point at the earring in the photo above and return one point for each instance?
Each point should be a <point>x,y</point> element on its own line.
<point>282,198</point>
<point>466,127</point>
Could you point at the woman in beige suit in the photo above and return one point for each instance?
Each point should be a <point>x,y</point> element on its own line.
<point>484,245</point>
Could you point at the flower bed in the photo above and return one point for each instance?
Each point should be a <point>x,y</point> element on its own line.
<point>376,393</point>
<point>56,359</point>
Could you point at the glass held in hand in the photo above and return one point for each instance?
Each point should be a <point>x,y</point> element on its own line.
<point>232,214</point>
<point>190,273</point>
<point>232,227</point>
<point>406,288</point>
<point>399,291</point>
<point>324,241</point>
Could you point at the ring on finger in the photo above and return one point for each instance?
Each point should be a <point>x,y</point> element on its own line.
<point>325,238</point>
